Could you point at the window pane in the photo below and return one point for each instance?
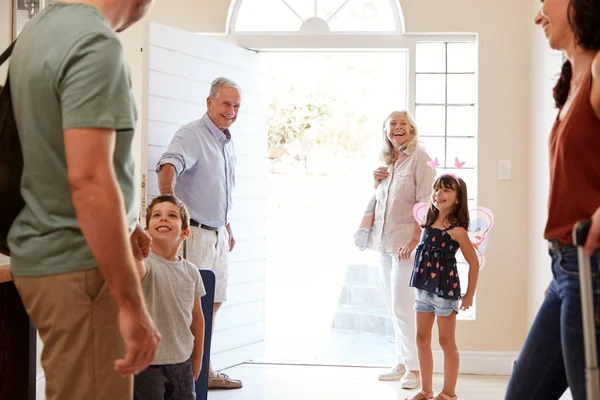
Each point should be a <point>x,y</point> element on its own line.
<point>468,175</point>
<point>304,8</point>
<point>468,315</point>
<point>431,120</point>
<point>364,15</point>
<point>22,18</point>
<point>435,147</point>
<point>463,275</point>
<point>378,70</point>
<point>431,57</point>
<point>326,8</point>
<point>431,89</point>
<point>252,18</point>
<point>461,121</point>
<point>465,149</point>
<point>462,57</point>
<point>461,89</point>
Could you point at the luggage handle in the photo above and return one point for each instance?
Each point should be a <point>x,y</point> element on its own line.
<point>581,231</point>
<point>592,374</point>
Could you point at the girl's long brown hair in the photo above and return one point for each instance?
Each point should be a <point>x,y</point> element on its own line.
<point>460,214</point>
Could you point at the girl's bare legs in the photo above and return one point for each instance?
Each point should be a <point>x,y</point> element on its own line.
<point>447,330</point>
<point>424,326</point>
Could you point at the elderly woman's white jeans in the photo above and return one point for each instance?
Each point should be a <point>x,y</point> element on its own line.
<point>399,299</point>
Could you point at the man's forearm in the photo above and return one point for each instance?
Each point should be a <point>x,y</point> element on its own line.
<point>166,179</point>
<point>99,207</point>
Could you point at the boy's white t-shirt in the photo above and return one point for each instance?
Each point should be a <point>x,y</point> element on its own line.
<point>170,288</point>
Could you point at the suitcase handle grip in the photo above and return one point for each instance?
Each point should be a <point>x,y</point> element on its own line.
<point>581,231</point>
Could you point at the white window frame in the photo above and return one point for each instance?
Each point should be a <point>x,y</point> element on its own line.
<point>234,9</point>
<point>469,315</point>
<point>446,104</point>
<point>281,42</point>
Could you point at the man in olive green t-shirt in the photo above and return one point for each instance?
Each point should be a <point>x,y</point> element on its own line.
<point>73,244</point>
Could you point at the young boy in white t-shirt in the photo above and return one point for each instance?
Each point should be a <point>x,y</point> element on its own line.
<point>173,288</point>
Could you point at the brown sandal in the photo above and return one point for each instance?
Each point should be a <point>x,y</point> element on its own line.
<point>444,396</point>
<point>426,396</point>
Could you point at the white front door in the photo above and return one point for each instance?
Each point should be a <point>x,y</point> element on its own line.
<point>180,66</point>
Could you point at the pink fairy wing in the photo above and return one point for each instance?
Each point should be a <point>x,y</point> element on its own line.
<point>480,226</point>
<point>420,211</point>
<point>461,259</point>
<point>480,258</point>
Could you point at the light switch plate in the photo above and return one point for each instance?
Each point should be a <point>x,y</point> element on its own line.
<point>504,169</point>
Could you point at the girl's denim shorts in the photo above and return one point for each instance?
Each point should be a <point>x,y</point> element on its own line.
<point>431,302</point>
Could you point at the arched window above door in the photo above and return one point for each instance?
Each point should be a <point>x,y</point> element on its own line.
<point>316,16</point>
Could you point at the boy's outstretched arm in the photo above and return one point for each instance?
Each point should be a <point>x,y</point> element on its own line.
<point>198,332</point>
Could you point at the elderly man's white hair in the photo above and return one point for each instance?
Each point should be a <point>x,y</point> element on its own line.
<point>220,83</point>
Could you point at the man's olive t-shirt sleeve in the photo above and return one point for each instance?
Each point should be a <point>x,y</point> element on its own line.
<point>93,85</point>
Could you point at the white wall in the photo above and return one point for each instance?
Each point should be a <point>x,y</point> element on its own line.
<point>544,70</point>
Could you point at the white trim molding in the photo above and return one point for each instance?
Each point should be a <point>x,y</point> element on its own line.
<point>370,41</point>
<point>479,362</point>
<point>499,363</point>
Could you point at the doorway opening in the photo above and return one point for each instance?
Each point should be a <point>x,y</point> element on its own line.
<point>323,296</point>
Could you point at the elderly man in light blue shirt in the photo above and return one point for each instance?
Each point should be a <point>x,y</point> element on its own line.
<point>199,168</point>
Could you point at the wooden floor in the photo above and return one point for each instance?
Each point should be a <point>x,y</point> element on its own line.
<point>295,382</point>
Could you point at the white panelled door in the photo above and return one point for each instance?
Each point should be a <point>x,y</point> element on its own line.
<point>180,67</point>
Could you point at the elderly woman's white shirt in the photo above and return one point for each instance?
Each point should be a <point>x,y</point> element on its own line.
<point>410,181</point>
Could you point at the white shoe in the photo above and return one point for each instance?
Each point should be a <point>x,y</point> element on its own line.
<point>410,381</point>
<point>394,375</point>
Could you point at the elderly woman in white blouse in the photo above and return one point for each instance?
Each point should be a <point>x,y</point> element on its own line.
<point>405,180</point>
